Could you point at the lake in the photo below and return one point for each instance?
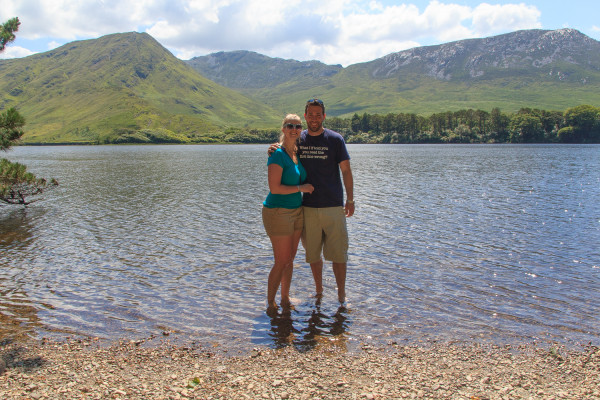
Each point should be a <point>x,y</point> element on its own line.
<point>472,243</point>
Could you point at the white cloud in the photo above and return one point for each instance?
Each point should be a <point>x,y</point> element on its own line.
<point>337,31</point>
<point>72,19</point>
<point>443,18</point>
<point>52,45</point>
<point>163,31</point>
<point>489,19</point>
<point>15,52</point>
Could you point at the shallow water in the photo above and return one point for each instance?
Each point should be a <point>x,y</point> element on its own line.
<point>492,243</point>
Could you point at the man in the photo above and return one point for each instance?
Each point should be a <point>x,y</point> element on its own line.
<point>323,154</point>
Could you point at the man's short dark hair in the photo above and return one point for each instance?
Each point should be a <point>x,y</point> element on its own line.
<point>314,102</point>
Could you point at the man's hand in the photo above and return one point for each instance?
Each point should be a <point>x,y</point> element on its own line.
<point>349,186</point>
<point>349,208</point>
<point>272,148</point>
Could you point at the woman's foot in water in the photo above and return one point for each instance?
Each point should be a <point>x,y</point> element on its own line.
<point>286,303</point>
<point>272,309</point>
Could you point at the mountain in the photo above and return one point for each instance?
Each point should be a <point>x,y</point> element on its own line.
<point>250,70</point>
<point>544,69</point>
<point>121,85</point>
<point>531,52</point>
<point>127,87</point>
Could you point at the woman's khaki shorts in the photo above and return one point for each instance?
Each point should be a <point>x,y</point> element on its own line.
<point>325,229</point>
<point>282,221</point>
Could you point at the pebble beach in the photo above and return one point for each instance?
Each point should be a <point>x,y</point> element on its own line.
<point>157,369</point>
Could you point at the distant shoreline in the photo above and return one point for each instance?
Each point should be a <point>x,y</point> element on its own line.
<point>268,143</point>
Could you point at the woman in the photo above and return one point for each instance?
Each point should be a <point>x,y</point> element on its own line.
<point>282,210</point>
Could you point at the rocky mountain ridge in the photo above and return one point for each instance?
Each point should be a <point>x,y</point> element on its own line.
<point>548,69</point>
<point>475,58</point>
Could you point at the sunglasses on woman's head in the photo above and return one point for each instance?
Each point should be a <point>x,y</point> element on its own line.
<point>292,126</point>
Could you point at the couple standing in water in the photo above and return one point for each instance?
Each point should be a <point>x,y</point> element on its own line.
<point>306,200</point>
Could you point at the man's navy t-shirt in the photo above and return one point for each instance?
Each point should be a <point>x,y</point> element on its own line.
<point>320,156</point>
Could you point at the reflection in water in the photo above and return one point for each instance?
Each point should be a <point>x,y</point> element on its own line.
<point>18,315</point>
<point>15,229</point>
<point>283,332</point>
<point>308,328</point>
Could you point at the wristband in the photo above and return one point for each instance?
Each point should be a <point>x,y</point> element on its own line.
<point>298,187</point>
<point>349,201</point>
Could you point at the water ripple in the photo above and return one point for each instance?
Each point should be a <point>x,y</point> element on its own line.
<point>489,243</point>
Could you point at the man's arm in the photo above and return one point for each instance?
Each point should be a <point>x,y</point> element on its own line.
<point>349,186</point>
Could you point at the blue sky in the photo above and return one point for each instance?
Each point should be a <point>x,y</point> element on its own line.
<point>332,31</point>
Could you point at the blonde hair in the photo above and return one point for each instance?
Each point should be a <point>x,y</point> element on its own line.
<point>288,118</point>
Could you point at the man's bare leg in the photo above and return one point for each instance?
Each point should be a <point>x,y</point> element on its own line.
<point>339,270</point>
<point>317,271</point>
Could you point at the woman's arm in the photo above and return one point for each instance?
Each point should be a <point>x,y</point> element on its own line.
<point>276,187</point>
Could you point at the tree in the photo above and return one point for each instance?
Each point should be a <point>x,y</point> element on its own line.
<point>482,118</point>
<point>526,128</point>
<point>16,184</point>
<point>552,122</point>
<point>355,123</point>
<point>339,125</point>
<point>584,121</point>
<point>11,123</point>
<point>567,135</point>
<point>7,32</point>
<point>365,122</point>
<point>499,126</point>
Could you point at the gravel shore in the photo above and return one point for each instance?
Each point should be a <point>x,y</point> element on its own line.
<point>157,369</point>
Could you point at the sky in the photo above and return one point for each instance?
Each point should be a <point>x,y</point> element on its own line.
<point>332,31</point>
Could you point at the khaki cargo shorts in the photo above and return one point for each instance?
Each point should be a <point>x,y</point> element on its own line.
<point>325,230</point>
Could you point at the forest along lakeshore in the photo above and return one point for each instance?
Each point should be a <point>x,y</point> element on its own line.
<point>488,250</point>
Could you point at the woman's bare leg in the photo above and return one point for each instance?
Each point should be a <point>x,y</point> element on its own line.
<point>286,278</point>
<point>282,252</point>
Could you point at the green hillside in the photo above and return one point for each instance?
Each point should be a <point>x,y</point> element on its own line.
<point>551,70</point>
<point>122,87</point>
<point>249,70</point>
<point>128,88</point>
